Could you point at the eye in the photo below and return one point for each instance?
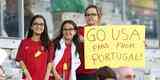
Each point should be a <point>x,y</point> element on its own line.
<point>69,29</point>
<point>91,14</point>
<point>40,24</point>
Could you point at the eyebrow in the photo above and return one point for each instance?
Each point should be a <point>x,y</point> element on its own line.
<point>88,14</point>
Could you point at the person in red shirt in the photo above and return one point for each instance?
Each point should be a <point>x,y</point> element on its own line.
<point>35,52</point>
<point>92,15</point>
<point>66,45</point>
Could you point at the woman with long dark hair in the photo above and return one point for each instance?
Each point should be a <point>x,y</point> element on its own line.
<point>35,53</point>
<point>66,45</point>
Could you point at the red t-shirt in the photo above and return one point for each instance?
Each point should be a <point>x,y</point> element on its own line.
<point>35,57</point>
<point>66,59</point>
<point>81,70</point>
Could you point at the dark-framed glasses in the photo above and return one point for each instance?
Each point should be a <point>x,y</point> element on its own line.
<point>69,29</point>
<point>91,14</point>
<point>38,24</point>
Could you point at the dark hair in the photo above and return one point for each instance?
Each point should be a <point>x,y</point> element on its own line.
<point>105,72</point>
<point>97,9</point>
<point>44,36</point>
<point>75,37</point>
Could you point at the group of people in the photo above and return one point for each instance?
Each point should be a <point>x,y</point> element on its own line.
<point>62,58</point>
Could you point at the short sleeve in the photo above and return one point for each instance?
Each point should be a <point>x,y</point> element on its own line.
<point>50,53</point>
<point>20,54</point>
<point>81,31</point>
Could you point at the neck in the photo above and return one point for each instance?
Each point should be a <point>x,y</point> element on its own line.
<point>35,38</point>
<point>68,41</point>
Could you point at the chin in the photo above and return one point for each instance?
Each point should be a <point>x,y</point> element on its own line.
<point>91,23</point>
<point>38,33</point>
<point>68,38</point>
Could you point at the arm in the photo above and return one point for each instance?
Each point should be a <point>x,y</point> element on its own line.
<point>56,75</point>
<point>50,58</point>
<point>49,68</point>
<point>2,74</point>
<point>21,58</point>
<point>27,74</point>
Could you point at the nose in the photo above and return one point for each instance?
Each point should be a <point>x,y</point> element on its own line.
<point>39,25</point>
<point>90,16</point>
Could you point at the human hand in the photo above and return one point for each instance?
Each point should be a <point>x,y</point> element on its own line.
<point>57,76</point>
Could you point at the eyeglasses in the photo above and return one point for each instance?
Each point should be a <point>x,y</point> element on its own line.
<point>69,29</point>
<point>91,14</point>
<point>40,24</point>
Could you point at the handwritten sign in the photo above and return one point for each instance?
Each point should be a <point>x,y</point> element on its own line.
<point>114,46</point>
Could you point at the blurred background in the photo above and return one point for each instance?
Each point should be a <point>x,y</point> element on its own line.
<point>16,14</point>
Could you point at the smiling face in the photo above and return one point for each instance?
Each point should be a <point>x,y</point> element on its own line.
<point>93,15</point>
<point>38,26</point>
<point>68,31</point>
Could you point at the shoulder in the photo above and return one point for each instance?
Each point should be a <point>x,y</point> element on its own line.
<point>25,41</point>
<point>80,27</point>
<point>56,40</point>
<point>50,44</point>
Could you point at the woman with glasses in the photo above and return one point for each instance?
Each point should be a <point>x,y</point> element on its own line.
<point>92,16</point>
<point>35,53</point>
<point>66,57</point>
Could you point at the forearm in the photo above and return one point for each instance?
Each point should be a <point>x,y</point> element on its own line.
<point>56,75</point>
<point>26,72</point>
<point>49,67</point>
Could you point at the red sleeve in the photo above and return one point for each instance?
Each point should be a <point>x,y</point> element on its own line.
<point>81,31</point>
<point>20,54</point>
<point>50,53</point>
<point>81,70</point>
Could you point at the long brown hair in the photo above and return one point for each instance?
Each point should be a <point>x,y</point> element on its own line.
<point>75,39</point>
